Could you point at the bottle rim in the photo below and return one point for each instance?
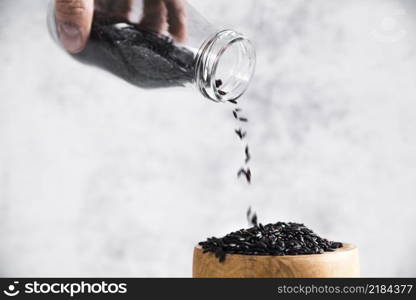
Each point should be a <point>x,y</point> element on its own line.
<point>210,58</point>
<point>51,22</point>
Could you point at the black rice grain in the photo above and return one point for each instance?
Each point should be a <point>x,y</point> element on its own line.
<point>248,155</point>
<point>246,173</point>
<point>271,239</point>
<point>251,217</point>
<point>143,58</point>
<point>241,133</point>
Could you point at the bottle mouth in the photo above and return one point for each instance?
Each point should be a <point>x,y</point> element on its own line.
<point>225,65</point>
<point>51,22</point>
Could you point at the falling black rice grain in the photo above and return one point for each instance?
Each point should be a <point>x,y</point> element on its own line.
<point>233,101</point>
<point>272,239</point>
<point>243,119</point>
<point>235,112</point>
<point>222,93</point>
<point>246,173</point>
<point>251,217</point>
<point>241,133</point>
<point>248,156</point>
<point>218,83</point>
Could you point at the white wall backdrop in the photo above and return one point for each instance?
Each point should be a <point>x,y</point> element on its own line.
<point>99,178</point>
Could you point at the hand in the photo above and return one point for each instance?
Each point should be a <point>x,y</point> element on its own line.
<point>73,23</point>
<point>74,18</point>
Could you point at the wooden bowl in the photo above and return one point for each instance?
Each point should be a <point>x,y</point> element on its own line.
<point>343,262</point>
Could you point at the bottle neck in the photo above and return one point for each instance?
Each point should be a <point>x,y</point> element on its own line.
<point>224,66</point>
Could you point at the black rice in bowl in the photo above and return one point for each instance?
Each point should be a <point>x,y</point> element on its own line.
<point>271,239</point>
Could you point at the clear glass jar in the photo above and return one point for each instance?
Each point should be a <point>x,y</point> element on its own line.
<point>159,43</point>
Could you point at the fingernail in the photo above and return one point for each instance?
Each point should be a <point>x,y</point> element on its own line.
<point>71,37</point>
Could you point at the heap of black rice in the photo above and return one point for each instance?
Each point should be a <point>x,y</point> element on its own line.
<point>271,239</point>
<point>143,58</point>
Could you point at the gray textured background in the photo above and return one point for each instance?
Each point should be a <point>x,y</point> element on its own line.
<point>98,178</point>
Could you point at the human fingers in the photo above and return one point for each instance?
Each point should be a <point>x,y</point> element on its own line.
<point>154,16</point>
<point>73,20</point>
<point>177,19</point>
<point>114,7</point>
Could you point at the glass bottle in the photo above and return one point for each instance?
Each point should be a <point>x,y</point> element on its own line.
<point>163,43</point>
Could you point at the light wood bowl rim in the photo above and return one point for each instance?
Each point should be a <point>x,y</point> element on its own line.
<point>346,247</point>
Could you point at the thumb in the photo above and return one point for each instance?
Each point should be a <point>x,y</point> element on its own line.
<point>73,22</point>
